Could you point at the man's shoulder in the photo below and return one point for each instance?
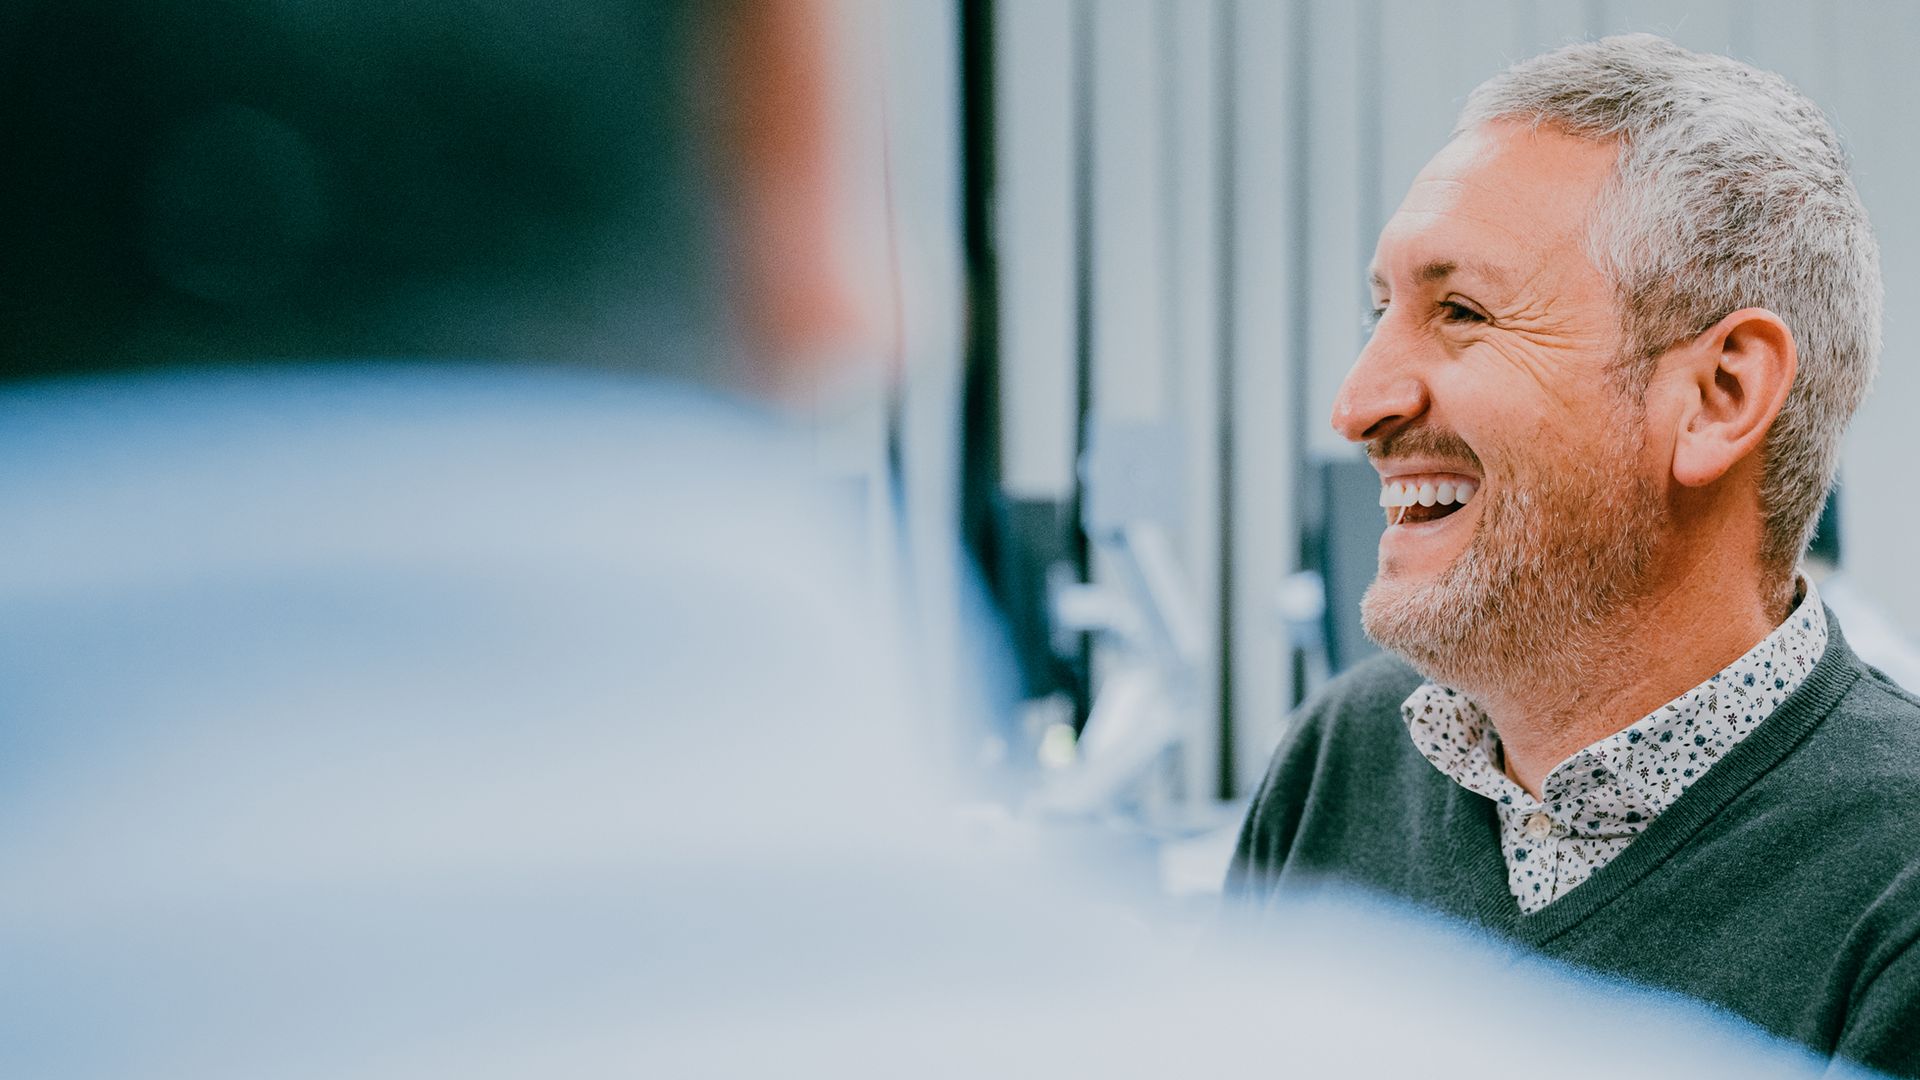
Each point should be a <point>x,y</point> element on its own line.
<point>1874,735</point>
<point>1858,802</point>
<point>1875,727</point>
<point>1851,788</point>
<point>1890,696</point>
<point>1346,748</point>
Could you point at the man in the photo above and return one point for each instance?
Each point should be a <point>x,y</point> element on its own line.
<point>1622,319</point>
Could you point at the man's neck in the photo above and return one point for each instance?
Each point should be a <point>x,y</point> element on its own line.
<point>1673,640</point>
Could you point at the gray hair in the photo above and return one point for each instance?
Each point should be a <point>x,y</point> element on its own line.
<point>1731,190</point>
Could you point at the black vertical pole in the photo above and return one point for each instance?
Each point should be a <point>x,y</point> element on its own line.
<point>1083,243</point>
<point>980,458</point>
<point>1226,147</point>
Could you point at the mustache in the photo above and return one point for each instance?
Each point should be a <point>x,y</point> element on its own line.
<point>1423,442</point>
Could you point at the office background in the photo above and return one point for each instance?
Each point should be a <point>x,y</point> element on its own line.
<point>1131,239</point>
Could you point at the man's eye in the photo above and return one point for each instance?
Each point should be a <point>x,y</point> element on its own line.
<point>1376,314</point>
<point>1458,312</point>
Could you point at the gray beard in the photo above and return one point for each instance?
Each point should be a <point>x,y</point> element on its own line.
<point>1535,599</point>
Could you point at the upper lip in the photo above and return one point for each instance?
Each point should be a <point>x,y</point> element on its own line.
<point>1416,466</point>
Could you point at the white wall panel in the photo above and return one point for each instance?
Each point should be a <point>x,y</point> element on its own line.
<point>1129,210</point>
<point>1791,37</point>
<point>1265,307</point>
<point>1335,293</point>
<point>1190,31</point>
<point>1698,24</point>
<point>1539,25</point>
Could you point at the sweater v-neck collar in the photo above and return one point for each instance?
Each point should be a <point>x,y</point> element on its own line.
<point>1752,758</point>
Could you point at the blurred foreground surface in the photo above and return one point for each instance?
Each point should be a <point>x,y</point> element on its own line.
<point>383,722</point>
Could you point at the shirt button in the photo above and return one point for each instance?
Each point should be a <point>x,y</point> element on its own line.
<point>1539,825</point>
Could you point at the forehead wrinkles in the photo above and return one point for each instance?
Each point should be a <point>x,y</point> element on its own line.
<point>1512,194</point>
<point>1475,244</point>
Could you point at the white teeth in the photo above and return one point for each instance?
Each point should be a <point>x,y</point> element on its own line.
<point>1428,493</point>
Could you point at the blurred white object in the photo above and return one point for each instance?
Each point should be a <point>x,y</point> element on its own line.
<point>352,712</point>
<point>1144,707</point>
<point>393,724</point>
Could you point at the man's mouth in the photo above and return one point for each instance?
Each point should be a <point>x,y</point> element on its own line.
<point>1410,500</point>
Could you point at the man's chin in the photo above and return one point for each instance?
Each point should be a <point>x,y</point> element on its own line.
<point>1397,574</point>
<point>1537,594</point>
<point>1433,625</point>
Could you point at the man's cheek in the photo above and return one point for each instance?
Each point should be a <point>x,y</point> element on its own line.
<point>1531,377</point>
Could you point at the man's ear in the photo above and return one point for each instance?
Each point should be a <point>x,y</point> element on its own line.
<point>1736,376</point>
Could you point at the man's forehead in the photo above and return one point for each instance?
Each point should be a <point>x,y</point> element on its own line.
<point>1497,197</point>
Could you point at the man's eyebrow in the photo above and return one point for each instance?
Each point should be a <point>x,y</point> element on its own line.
<point>1442,269</point>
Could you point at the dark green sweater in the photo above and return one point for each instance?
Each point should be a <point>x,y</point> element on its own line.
<point>1783,886</point>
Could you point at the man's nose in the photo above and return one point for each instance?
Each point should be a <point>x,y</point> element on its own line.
<point>1378,397</point>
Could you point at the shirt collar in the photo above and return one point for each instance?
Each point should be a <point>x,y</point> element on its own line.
<point>1646,766</point>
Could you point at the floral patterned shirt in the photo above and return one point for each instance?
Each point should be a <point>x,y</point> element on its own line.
<point>1596,802</point>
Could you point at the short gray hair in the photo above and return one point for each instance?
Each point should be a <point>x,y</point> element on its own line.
<point>1731,190</point>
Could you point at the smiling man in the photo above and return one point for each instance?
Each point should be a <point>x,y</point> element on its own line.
<point>1622,320</point>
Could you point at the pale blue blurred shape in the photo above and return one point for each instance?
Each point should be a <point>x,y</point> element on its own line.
<point>385,722</point>
<point>350,707</point>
